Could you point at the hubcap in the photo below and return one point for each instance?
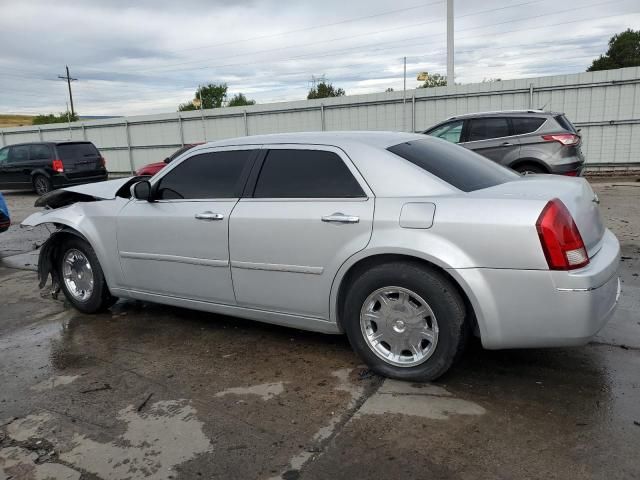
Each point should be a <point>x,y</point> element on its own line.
<point>77,274</point>
<point>399,326</point>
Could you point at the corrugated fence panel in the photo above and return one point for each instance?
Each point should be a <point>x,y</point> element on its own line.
<point>604,105</point>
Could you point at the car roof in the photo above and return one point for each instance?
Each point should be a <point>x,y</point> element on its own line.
<point>506,113</point>
<point>379,139</point>
<point>51,142</point>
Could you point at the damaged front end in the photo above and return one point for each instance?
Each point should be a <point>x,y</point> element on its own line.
<point>85,211</point>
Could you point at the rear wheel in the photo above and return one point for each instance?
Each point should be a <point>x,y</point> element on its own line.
<point>41,184</point>
<point>529,168</point>
<point>81,277</point>
<point>405,321</point>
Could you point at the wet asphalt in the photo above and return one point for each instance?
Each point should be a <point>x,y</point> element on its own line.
<point>149,391</point>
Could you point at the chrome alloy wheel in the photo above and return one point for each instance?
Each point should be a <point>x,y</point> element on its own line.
<point>77,274</point>
<point>399,326</point>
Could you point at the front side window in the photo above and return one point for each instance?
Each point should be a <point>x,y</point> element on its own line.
<point>39,152</point>
<point>526,125</point>
<point>488,128</point>
<point>306,174</point>
<point>19,154</point>
<point>450,132</point>
<point>4,155</point>
<point>208,175</point>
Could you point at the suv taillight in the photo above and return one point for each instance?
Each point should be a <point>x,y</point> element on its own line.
<point>57,166</point>
<point>563,138</point>
<point>103,162</point>
<point>561,241</point>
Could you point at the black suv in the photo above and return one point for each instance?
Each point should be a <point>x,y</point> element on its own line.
<point>44,166</point>
<point>529,141</point>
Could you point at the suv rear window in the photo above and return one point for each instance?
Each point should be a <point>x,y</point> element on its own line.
<point>565,123</point>
<point>522,125</point>
<point>465,170</point>
<point>77,151</point>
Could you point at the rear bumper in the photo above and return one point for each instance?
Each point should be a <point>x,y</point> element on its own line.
<point>61,180</point>
<point>540,308</point>
<point>574,169</point>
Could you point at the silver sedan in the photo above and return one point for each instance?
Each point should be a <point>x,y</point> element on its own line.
<point>407,244</point>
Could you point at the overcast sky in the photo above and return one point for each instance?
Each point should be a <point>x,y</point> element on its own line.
<point>149,55</point>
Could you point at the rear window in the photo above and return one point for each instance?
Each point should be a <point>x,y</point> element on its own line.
<point>77,151</point>
<point>459,167</point>
<point>565,123</point>
<point>526,125</point>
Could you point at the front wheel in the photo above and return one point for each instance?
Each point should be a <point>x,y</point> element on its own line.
<point>406,321</point>
<point>81,277</point>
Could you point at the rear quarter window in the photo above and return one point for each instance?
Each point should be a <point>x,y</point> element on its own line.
<point>459,167</point>
<point>565,123</point>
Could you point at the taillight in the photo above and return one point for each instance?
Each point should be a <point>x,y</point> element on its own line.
<point>103,162</point>
<point>563,138</point>
<point>561,241</point>
<point>573,173</point>
<point>57,166</point>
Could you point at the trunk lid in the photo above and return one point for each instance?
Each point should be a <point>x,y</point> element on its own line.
<point>575,193</point>
<point>78,157</point>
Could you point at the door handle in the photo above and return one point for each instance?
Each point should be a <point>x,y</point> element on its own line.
<point>506,144</point>
<point>209,216</point>
<point>340,218</point>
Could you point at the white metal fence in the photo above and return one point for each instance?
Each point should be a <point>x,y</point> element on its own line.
<point>605,105</point>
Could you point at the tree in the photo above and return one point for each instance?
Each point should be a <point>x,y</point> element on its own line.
<point>211,96</point>
<point>624,51</point>
<point>324,90</point>
<point>239,100</point>
<point>62,117</point>
<point>435,80</point>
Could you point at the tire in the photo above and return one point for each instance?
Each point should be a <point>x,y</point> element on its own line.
<point>444,317</point>
<point>529,168</point>
<point>41,184</point>
<point>91,294</point>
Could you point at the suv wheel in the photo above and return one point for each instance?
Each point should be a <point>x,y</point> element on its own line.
<point>405,321</point>
<point>41,184</point>
<point>529,168</point>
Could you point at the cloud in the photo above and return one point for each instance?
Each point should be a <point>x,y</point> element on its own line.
<point>148,56</point>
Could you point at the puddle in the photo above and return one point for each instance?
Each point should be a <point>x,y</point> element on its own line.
<point>155,441</point>
<point>421,400</point>
<point>53,382</point>
<point>266,391</point>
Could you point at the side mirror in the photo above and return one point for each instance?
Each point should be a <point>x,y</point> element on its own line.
<point>167,160</point>
<point>142,190</point>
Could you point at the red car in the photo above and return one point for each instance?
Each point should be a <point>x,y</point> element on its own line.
<point>153,168</point>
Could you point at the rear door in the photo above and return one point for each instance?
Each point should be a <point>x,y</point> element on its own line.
<point>80,159</point>
<point>491,137</point>
<point>309,211</point>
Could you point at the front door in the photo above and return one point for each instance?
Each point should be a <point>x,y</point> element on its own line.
<point>178,244</point>
<point>15,169</point>
<point>309,212</point>
<point>491,138</point>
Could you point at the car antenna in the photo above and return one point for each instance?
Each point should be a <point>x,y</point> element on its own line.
<point>545,105</point>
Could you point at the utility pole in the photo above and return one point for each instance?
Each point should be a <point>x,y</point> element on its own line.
<point>69,80</point>
<point>404,96</point>
<point>450,74</point>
